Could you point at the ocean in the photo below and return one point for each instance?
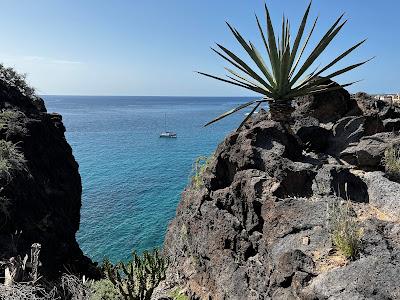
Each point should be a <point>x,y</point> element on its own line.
<point>132,179</point>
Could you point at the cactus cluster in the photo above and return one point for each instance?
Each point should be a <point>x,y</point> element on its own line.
<point>137,279</point>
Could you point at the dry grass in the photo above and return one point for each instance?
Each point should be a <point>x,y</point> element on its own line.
<point>345,232</point>
<point>11,159</point>
<point>391,162</point>
<point>26,291</point>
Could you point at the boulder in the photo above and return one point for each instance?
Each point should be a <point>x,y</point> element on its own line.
<point>392,124</point>
<point>369,152</point>
<point>350,130</point>
<point>325,107</point>
<point>383,193</point>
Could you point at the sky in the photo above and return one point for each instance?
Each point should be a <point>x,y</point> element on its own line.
<point>148,47</point>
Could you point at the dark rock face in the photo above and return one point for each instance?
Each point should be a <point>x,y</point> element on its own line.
<point>44,199</point>
<point>257,229</point>
<point>370,150</point>
<point>325,107</point>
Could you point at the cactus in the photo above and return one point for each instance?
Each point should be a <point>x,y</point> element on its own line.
<point>137,279</point>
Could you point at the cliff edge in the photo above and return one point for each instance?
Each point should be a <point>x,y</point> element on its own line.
<point>40,194</point>
<point>259,226</point>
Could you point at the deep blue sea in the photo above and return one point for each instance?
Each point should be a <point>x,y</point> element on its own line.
<point>132,179</point>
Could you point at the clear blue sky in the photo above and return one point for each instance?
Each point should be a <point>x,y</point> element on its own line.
<point>150,47</point>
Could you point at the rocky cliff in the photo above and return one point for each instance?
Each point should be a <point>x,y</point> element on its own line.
<point>258,227</point>
<point>40,194</point>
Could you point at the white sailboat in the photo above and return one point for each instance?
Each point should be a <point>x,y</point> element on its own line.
<point>167,134</point>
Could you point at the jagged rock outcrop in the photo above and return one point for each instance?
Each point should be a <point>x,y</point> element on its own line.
<point>258,227</point>
<point>40,201</point>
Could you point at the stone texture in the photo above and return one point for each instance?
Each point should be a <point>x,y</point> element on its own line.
<point>383,193</point>
<point>369,152</point>
<point>257,229</point>
<point>44,200</point>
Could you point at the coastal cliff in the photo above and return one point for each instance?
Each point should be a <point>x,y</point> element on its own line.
<point>40,184</point>
<point>259,224</point>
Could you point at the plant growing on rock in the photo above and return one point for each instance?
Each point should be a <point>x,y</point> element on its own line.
<point>283,72</point>
<point>345,232</point>
<point>137,279</point>
<point>199,166</point>
<point>391,162</point>
<point>13,78</point>
<point>178,294</point>
<point>12,122</point>
<point>104,290</point>
<point>11,159</point>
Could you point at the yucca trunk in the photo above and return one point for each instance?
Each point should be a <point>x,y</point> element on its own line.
<point>281,110</point>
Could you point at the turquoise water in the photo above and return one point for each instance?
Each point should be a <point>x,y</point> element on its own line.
<point>132,179</point>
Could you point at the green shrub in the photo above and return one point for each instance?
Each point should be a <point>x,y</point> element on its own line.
<point>345,232</point>
<point>137,279</point>
<point>199,166</point>
<point>13,78</point>
<point>392,162</point>
<point>178,294</point>
<point>11,159</point>
<point>104,290</point>
<point>13,122</point>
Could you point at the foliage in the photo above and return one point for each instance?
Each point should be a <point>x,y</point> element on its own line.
<point>392,162</point>
<point>104,290</point>
<point>13,78</point>
<point>345,232</point>
<point>137,279</point>
<point>199,166</point>
<point>72,287</point>
<point>11,159</point>
<point>178,294</point>
<point>283,77</point>
<point>13,122</point>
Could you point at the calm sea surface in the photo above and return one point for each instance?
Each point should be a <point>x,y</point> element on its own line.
<point>132,179</point>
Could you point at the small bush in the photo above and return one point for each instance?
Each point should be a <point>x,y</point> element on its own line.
<point>13,122</point>
<point>345,232</point>
<point>13,78</point>
<point>178,294</point>
<point>11,159</point>
<point>199,166</point>
<point>392,162</point>
<point>137,279</point>
<point>104,290</point>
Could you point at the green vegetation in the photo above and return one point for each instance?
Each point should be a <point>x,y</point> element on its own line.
<point>178,294</point>
<point>11,159</point>
<point>283,76</point>
<point>104,290</point>
<point>12,122</point>
<point>137,279</point>
<point>346,233</point>
<point>199,166</point>
<point>392,162</point>
<point>13,78</point>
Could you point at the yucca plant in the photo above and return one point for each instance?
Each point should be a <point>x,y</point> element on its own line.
<point>284,76</point>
